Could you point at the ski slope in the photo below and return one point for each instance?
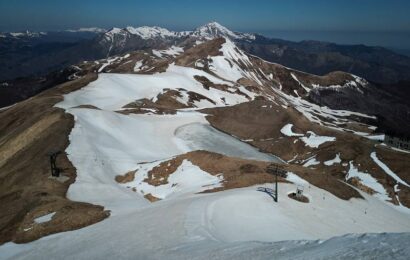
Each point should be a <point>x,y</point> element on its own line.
<point>241,220</point>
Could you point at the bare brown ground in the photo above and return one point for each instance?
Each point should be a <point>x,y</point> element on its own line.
<point>283,76</point>
<point>30,130</point>
<point>151,197</point>
<point>261,121</point>
<point>238,173</point>
<point>150,63</point>
<point>201,51</point>
<point>399,163</point>
<point>166,103</point>
<point>356,182</point>
<point>128,177</point>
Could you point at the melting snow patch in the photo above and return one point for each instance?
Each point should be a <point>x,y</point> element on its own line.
<point>333,161</point>
<point>296,179</point>
<point>375,137</point>
<point>188,178</point>
<point>367,180</point>
<point>311,161</point>
<point>317,114</point>
<point>226,65</point>
<point>138,66</point>
<point>300,83</point>
<point>172,51</point>
<point>315,141</point>
<point>109,61</point>
<point>199,64</point>
<point>44,218</point>
<point>287,130</point>
<point>387,170</point>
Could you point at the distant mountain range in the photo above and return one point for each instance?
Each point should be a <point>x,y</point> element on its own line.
<point>37,53</point>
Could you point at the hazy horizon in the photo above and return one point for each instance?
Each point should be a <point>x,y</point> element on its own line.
<point>397,41</point>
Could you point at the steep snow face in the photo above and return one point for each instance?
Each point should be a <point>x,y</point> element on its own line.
<point>233,64</point>
<point>213,30</point>
<point>115,30</point>
<point>147,32</point>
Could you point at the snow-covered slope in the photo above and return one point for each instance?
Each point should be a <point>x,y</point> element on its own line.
<point>213,30</point>
<point>147,32</point>
<point>110,139</point>
<point>208,31</point>
<point>133,87</point>
<point>196,225</point>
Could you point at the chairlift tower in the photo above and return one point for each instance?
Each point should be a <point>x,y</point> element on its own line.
<point>276,170</point>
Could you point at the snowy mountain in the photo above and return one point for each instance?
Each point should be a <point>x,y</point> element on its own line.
<point>147,32</point>
<point>39,54</point>
<point>164,152</point>
<point>208,31</point>
<point>213,30</point>
<point>25,34</point>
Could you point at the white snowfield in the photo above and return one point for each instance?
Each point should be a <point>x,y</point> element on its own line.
<point>227,64</point>
<point>287,130</point>
<point>313,140</point>
<point>194,226</point>
<point>113,91</point>
<point>310,139</point>
<point>187,179</point>
<point>240,223</point>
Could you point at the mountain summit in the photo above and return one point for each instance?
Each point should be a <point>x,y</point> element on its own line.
<point>208,31</point>
<point>214,30</point>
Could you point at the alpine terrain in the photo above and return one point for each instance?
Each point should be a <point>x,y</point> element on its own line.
<point>168,145</point>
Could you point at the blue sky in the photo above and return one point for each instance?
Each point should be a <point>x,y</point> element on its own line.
<point>380,16</point>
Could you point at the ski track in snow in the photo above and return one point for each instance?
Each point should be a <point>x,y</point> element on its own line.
<point>195,225</point>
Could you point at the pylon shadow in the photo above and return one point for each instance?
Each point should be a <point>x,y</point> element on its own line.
<point>268,191</point>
